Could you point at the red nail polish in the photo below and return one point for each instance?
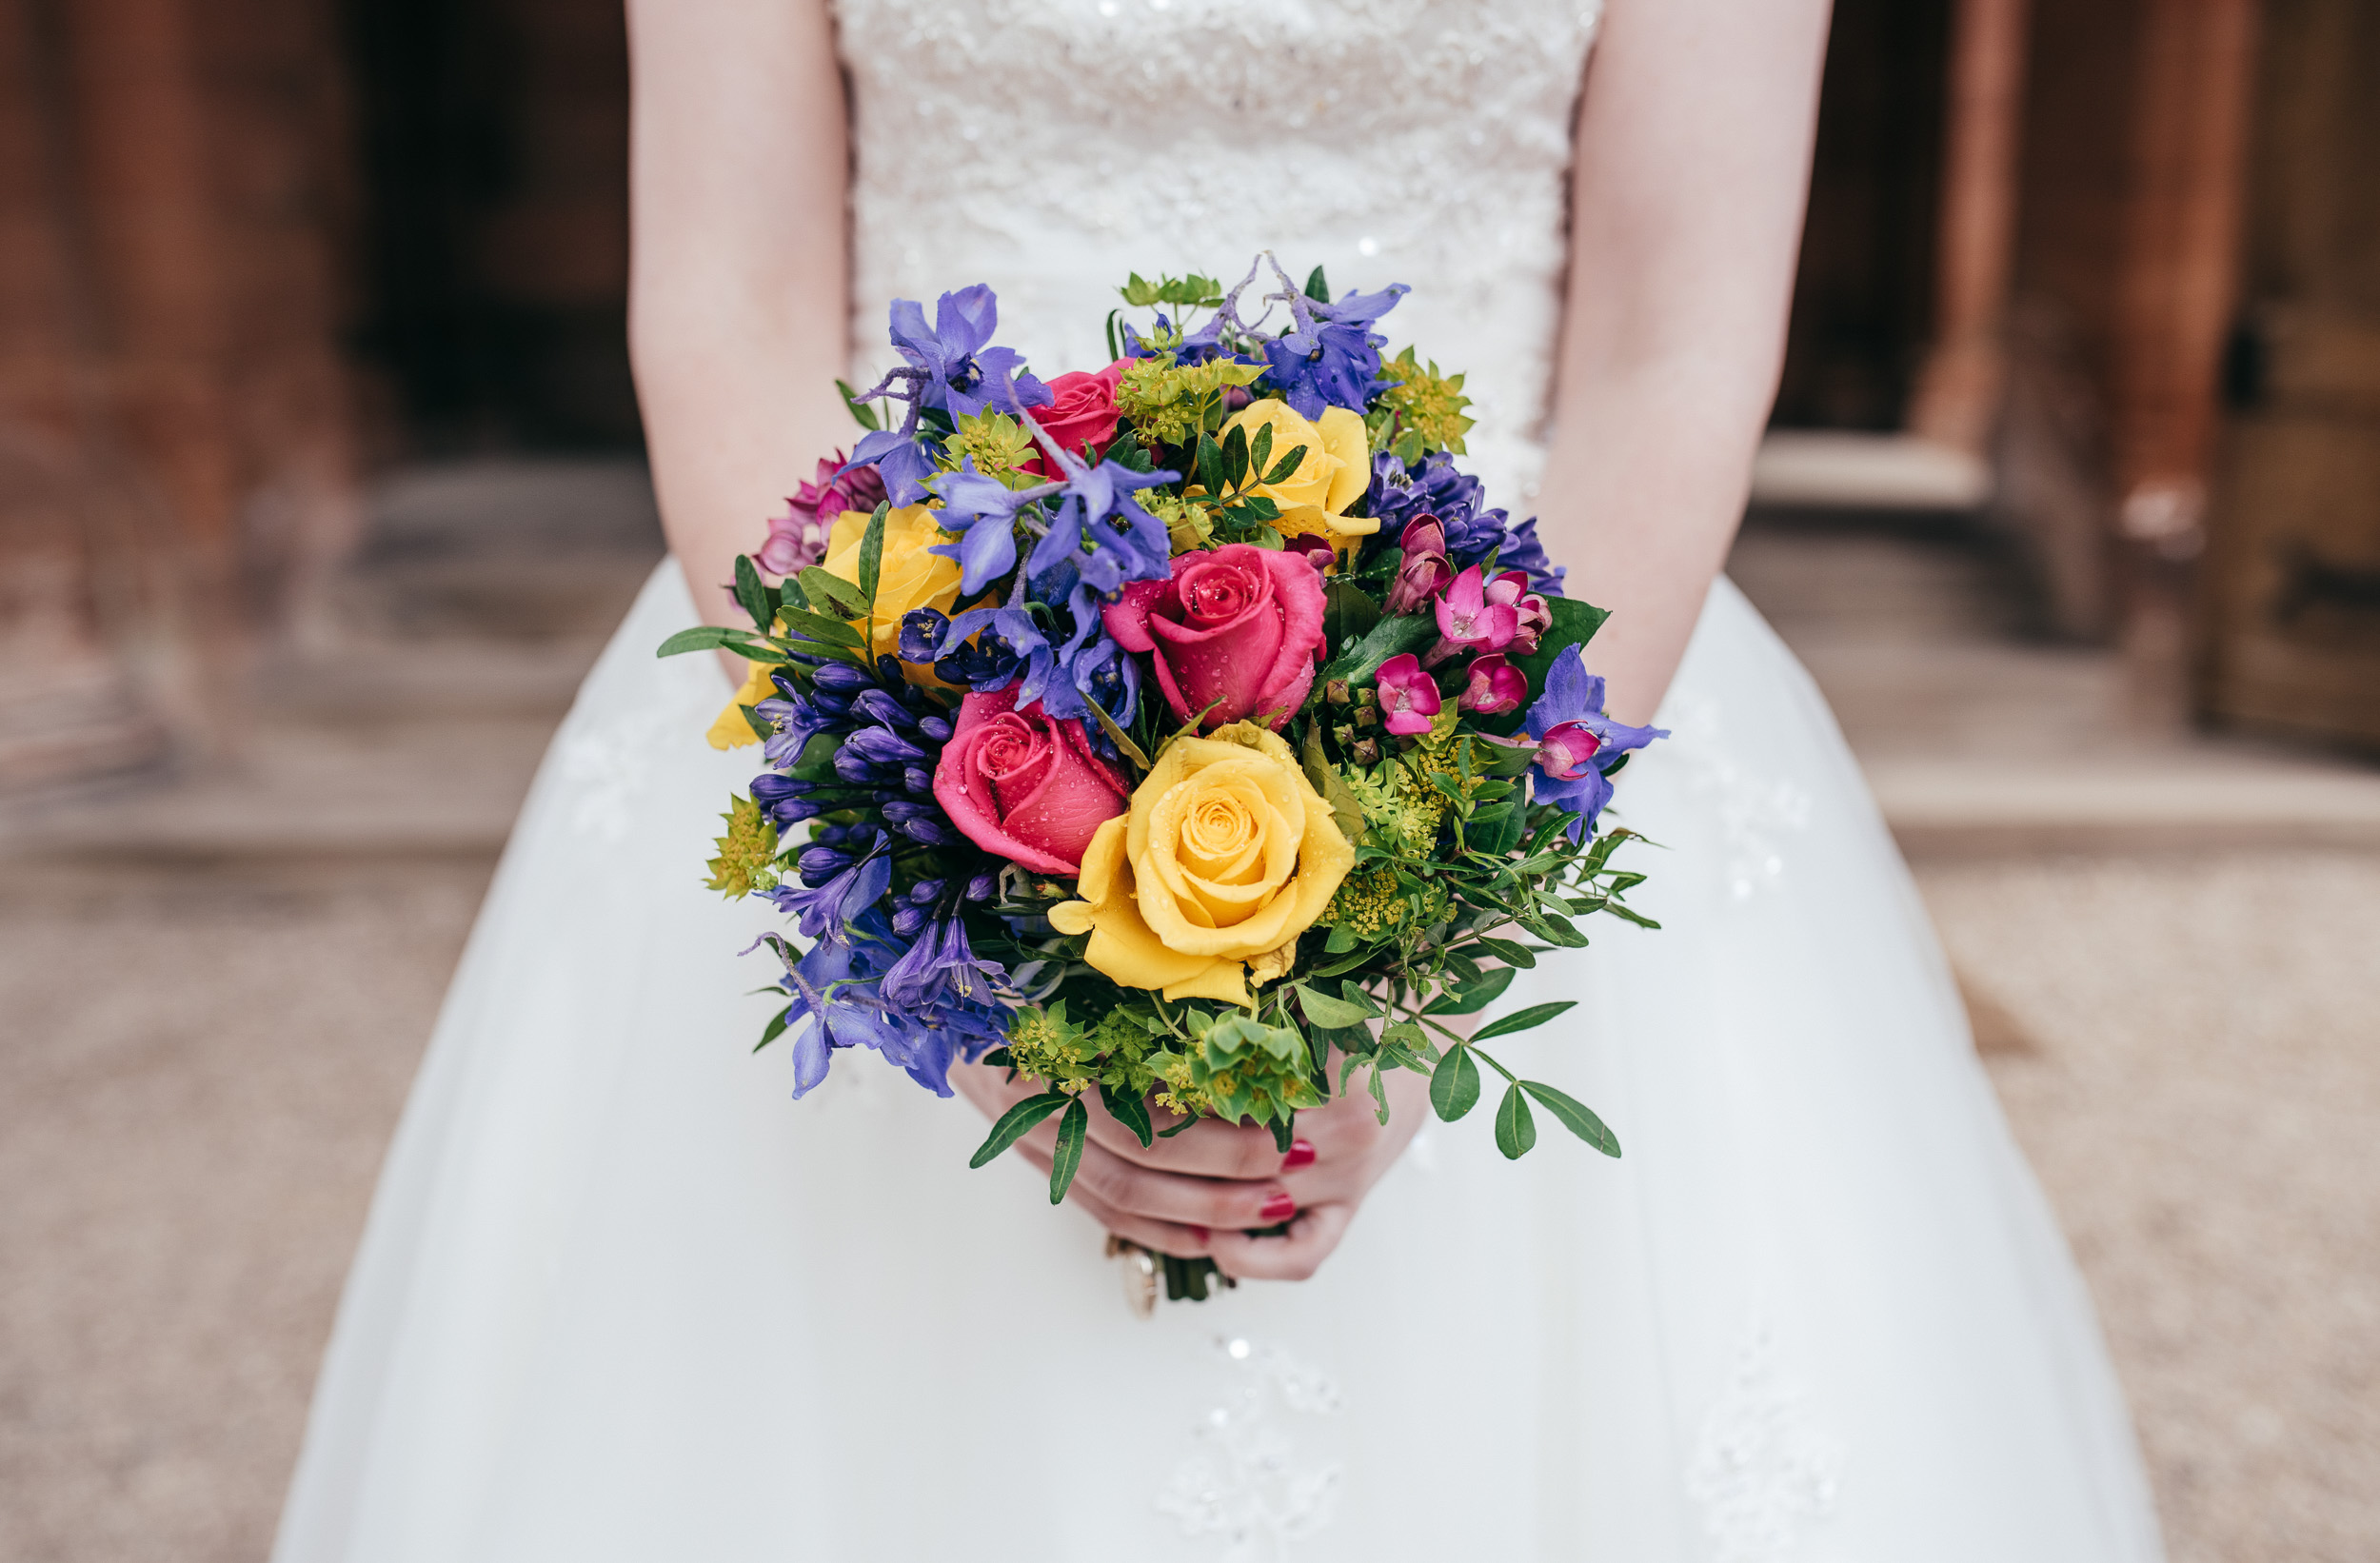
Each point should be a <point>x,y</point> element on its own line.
<point>1279,1208</point>
<point>1301,1154</point>
<point>1200,1233</point>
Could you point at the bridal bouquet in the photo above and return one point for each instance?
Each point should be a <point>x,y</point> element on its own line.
<point>1168,730</point>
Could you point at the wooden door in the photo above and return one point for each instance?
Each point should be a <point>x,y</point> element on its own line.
<point>2291,588</point>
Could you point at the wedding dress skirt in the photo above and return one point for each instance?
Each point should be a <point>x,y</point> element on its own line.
<point>622,1300</point>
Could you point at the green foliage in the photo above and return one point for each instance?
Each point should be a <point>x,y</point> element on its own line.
<point>999,445</point>
<point>747,853</point>
<point>1421,411</point>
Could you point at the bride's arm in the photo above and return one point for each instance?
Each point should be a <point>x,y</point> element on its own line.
<point>1692,161</point>
<point>737,314</point>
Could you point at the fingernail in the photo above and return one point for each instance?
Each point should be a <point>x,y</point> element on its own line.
<point>1301,1154</point>
<point>1279,1208</point>
<point>1200,1234</point>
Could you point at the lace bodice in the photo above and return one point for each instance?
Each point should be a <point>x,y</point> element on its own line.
<point>1050,146</point>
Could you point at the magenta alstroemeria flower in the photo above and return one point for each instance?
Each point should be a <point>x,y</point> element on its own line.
<point>1494,686</point>
<point>1512,588</point>
<point>1566,751</point>
<point>1425,570</point>
<point>1468,622</point>
<point>1408,696</point>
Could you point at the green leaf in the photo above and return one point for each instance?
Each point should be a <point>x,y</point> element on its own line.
<point>1555,931</point>
<point>1455,1084</point>
<point>754,596</point>
<point>1323,1010</point>
<point>861,410</point>
<point>1470,997</point>
<point>1342,939</point>
<point>1115,349</point>
<point>703,638</point>
<point>1210,464</point>
<point>1068,1154</point>
<point>1130,1111</point>
<point>1577,1116</point>
<point>1260,448</point>
<point>823,629</point>
<point>1496,830</point>
<point>1235,456</point>
<point>1515,1131</point>
<point>1510,952</point>
<point>762,730</point>
<point>1536,1015</point>
<point>1355,995</point>
<point>1281,469</point>
<point>1389,638</point>
<point>872,552</point>
<point>1348,611</point>
<point>1017,1122</point>
<point>775,1029</point>
<point>1118,736</point>
<point>1126,453</point>
<point>832,594</point>
<point>1346,812</point>
<point>1317,290</point>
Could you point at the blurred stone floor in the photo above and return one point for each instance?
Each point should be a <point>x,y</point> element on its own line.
<point>215,987</point>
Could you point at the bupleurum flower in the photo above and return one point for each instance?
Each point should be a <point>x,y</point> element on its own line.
<point>747,853</point>
<point>1427,405</point>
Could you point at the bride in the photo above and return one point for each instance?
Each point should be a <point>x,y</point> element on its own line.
<point>620,1298</point>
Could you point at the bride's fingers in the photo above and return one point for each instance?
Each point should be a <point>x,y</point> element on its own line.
<point>1293,1256</point>
<point>1169,1196</point>
<point>1187,1242</point>
<point>1207,1149</point>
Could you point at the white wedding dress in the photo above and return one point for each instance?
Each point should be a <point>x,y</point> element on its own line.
<point>620,1298</point>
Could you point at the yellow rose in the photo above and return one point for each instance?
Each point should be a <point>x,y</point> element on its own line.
<point>907,578</point>
<point>1227,854</point>
<point>1332,475</point>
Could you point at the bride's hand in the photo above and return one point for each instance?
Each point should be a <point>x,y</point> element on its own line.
<point>1195,1193</point>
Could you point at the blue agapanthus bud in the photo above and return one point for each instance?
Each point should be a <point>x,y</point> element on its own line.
<point>819,864</point>
<point>924,891</point>
<point>906,921</point>
<point>883,746</point>
<point>843,678</point>
<point>982,886</point>
<point>879,706</point>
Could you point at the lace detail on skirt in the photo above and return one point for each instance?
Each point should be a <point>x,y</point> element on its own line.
<point>1761,1470</point>
<point>1244,1485</point>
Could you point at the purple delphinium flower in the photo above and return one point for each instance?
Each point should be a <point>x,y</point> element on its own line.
<point>949,370</point>
<point>962,372</point>
<point>1099,532</point>
<point>983,512</point>
<point>1330,356</point>
<point>1060,655</point>
<point>1563,720</point>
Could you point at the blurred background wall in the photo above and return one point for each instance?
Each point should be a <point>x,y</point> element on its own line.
<point>2106,274</point>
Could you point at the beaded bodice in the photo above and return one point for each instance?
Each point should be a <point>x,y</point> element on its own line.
<point>1051,147</point>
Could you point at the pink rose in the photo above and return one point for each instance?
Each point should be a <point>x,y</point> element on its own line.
<point>1083,412</point>
<point>1025,786</point>
<point>1236,628</point>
